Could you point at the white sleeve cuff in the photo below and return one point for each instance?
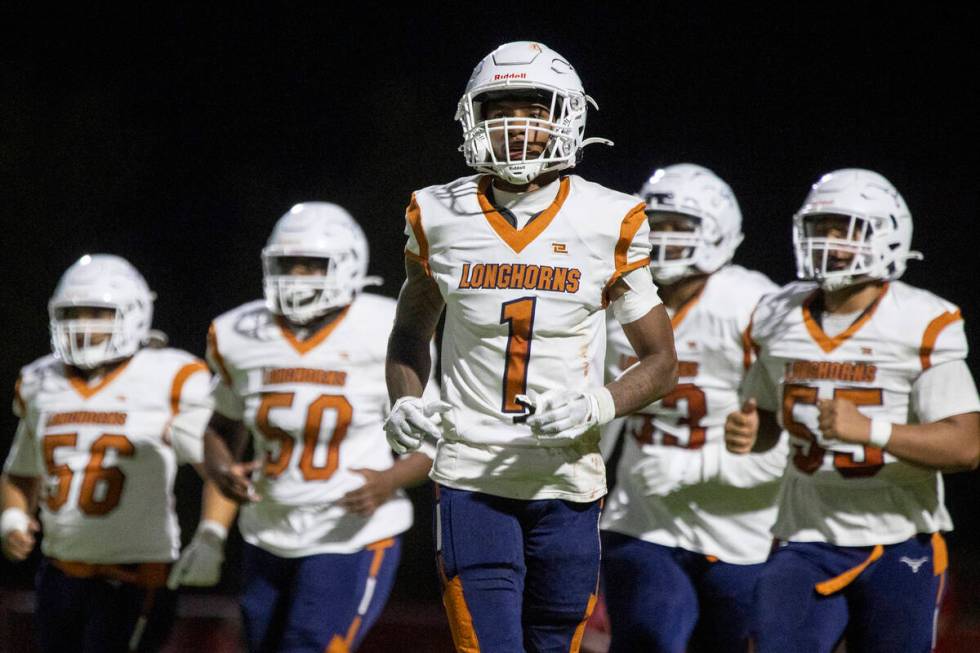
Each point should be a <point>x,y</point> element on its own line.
<point>639,300</point>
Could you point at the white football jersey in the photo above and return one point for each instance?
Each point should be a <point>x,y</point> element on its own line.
<point>524,314</point>
<point>726,504</point>
<point>315,409</point>
<point>849,494</point>
<point>105,455</point>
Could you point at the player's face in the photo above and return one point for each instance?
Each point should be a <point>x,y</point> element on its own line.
<point>303,266</point>
<point>88,313</point>
<point>667,222</point>
<point>832,225</point>
<point>520,134</point>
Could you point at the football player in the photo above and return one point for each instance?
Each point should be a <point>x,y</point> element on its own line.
<point>868,377</point>
<point>524,260</point>
<point>686,529</point>
<point>303,372</point>
<point>104,421</point>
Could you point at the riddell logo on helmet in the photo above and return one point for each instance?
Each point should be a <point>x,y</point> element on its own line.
<point>510,76</point>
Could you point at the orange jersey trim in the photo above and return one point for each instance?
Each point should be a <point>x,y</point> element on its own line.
<point>627,230</point>
<point>931,334</point>
<point>413,215</point>
<point>216,355</point>
<point>826,343</point>
<point>619,273</point>
<point>304,346</point>
<point>180,379</point>
<point>518,239</point>
<point>679,316</point>
<point>86,390</point>
<point>837,583</point>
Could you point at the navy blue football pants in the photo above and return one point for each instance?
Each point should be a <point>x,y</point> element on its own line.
<point>324,602</point>
<point>883,598</point>
<point>672,600</point>
<point>517,575</point>
<point>99,614</point>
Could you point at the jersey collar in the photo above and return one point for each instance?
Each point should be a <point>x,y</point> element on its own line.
<point>518,239</point>
<point>304,346</point>
<point>826,343</point>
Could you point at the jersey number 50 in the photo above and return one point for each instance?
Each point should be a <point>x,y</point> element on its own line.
<point>274,466</point>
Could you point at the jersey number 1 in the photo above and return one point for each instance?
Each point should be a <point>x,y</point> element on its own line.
<point>518,314</point>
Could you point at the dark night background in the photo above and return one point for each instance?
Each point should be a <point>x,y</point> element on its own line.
<point>175,136</point>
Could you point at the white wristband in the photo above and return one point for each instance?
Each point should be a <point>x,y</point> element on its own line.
<point>606,407</point>
<point>881,433</point>
<point>213,528</point>
<point>14,519</point>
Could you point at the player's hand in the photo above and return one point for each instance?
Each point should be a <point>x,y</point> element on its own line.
<point>18,535</point>
<point>562,413</point>
<point>841,420</point>
<point>668,471</point>
<point>411,419</point>
<point>234,481</point>
<point>200,563</point>
<point>742,428</point>
<point>378,488</point>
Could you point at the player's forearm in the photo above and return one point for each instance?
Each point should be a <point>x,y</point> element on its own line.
<point>407,366</point>
<point>217,454</point>
<point>18,492</point>
<point>650,379</point>
<point>950,445</point>
<point>215,507</point>
<point>410,470</point>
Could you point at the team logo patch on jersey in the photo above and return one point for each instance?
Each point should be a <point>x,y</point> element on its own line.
<point>913,564</point>
<point>489,276</point>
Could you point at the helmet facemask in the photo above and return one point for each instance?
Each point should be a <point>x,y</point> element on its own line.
<point>839,250</point>
<point>674,250</point>
<point>563,125</point>
<point>329,282</point>
<point>89,342</point>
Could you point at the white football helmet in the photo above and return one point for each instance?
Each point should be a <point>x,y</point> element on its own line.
<point>100,281</point>
<point>879,232</point>
<point>523,69</point>
<point>318,230</point>
<point>699,194</point>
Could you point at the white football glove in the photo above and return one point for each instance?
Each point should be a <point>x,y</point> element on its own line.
<point>200,562</point>
<point>669,471</point>
<point>567,414</point>
<point>410,421</point>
